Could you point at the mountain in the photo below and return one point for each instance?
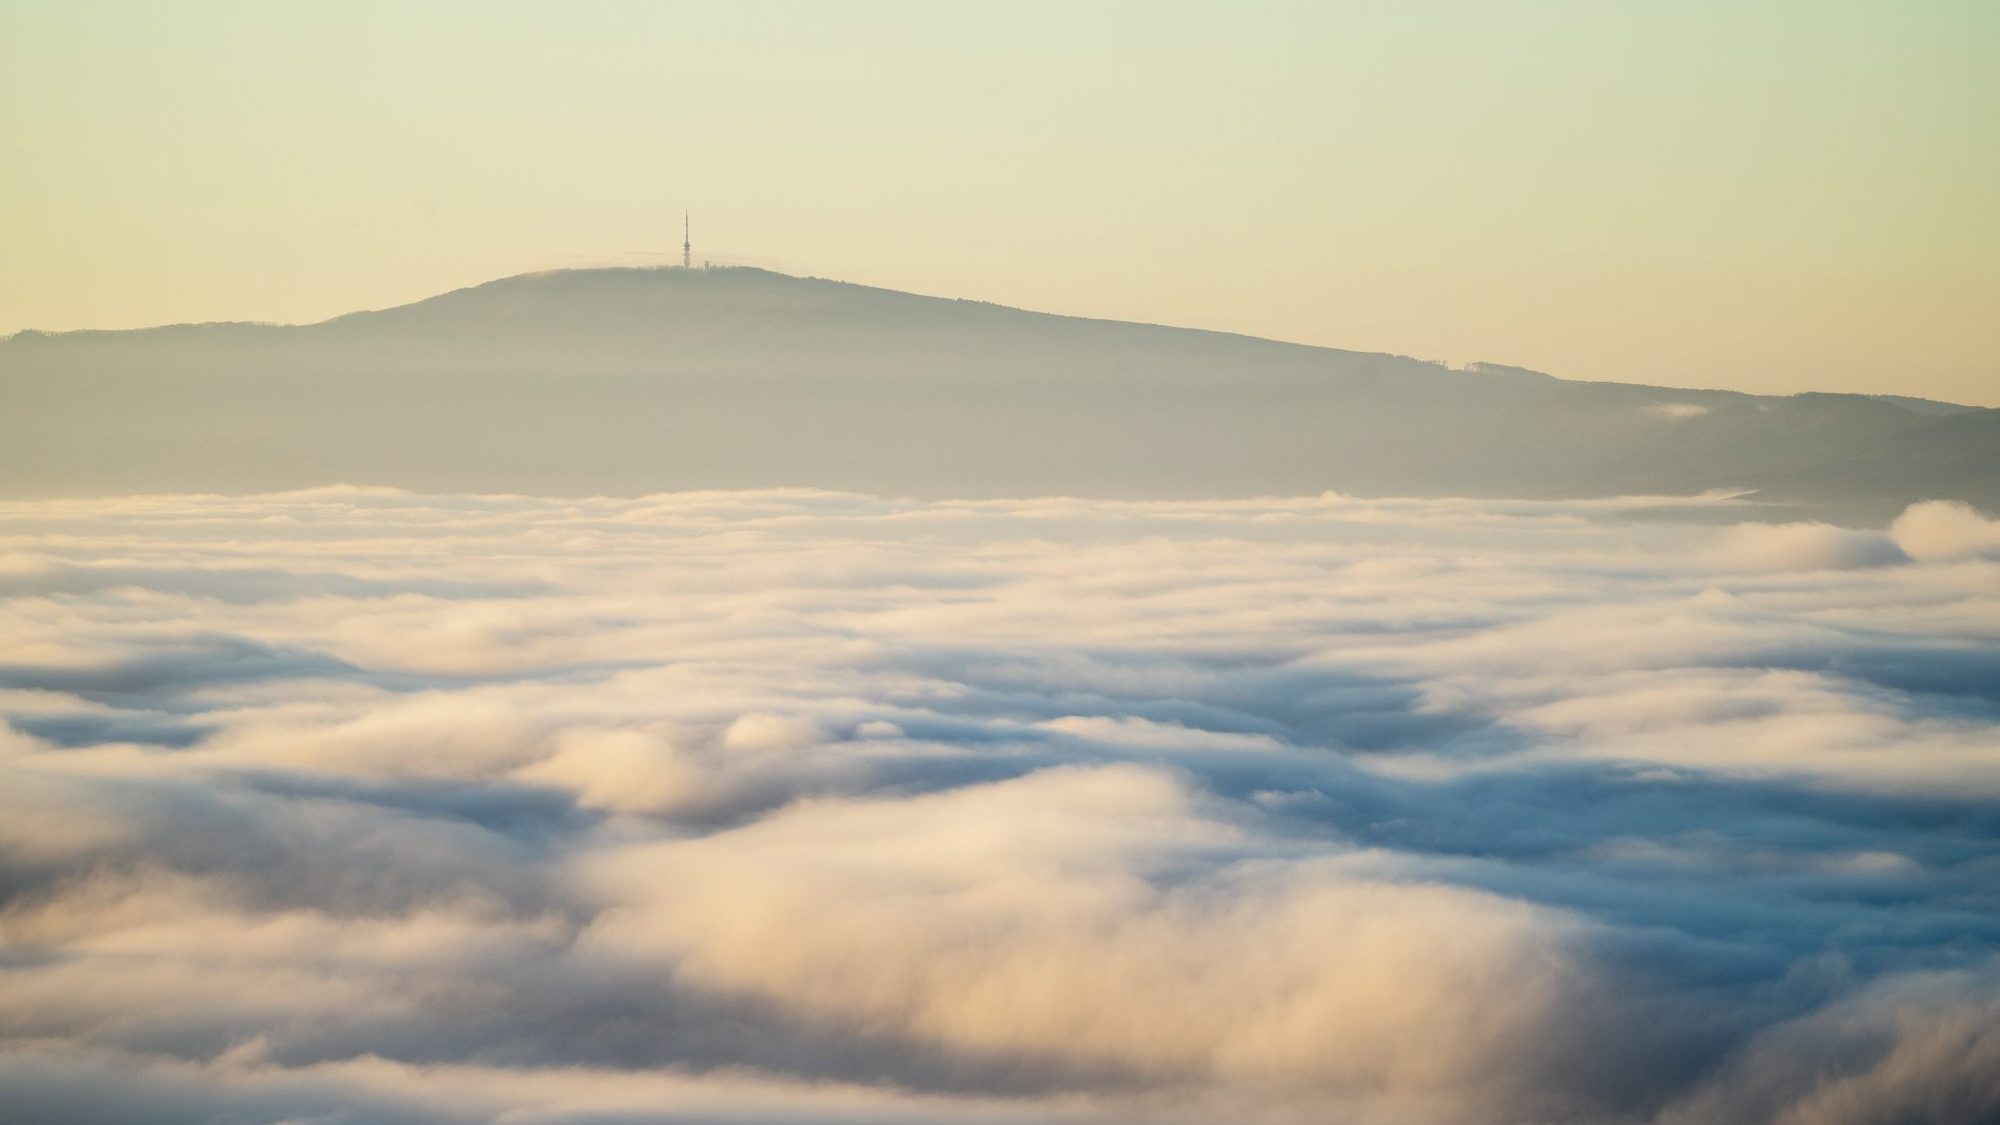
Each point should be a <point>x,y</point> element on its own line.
<point>630,381</point>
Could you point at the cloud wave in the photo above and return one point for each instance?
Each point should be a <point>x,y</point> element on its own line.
<point>355,804</point>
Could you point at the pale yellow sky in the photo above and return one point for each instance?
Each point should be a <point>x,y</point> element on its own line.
<point>1773,197</point>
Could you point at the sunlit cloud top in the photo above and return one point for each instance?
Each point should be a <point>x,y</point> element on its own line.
<point>358,804</point>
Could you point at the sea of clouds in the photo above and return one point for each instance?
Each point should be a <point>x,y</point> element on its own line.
<point>364,806</point>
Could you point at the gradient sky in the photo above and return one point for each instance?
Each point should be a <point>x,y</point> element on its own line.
<point>1772,197</point>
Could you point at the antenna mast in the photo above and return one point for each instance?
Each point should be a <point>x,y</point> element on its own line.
<point>687,243</point>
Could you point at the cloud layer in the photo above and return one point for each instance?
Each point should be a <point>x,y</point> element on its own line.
<point>362,805</point>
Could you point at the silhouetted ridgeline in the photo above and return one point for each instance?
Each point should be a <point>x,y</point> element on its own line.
<point>629,381</point>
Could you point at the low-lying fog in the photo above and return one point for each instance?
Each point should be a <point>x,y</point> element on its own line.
<point>360,805</point>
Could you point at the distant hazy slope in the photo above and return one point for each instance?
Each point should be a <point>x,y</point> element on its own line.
<point>628,381</point>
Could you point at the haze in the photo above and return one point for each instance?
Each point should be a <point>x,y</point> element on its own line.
<point>1787,197</point>
<point>1389,564</point>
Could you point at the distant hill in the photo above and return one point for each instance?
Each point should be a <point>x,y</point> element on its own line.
<point>629,381</point>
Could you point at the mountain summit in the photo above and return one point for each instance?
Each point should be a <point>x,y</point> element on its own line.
<point>641,380</point>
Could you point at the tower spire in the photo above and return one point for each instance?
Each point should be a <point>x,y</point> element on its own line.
<point>687,243</point>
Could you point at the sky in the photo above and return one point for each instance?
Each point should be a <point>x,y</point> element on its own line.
<point>803,806</point>
<point>1772,197</point>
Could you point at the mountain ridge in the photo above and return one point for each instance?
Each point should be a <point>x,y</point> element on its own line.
<point>1479,367</point>
<point>622,380</point>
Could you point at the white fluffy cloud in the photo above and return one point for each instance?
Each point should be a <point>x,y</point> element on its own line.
<point>1946,529</point>
<point>785,806</point>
